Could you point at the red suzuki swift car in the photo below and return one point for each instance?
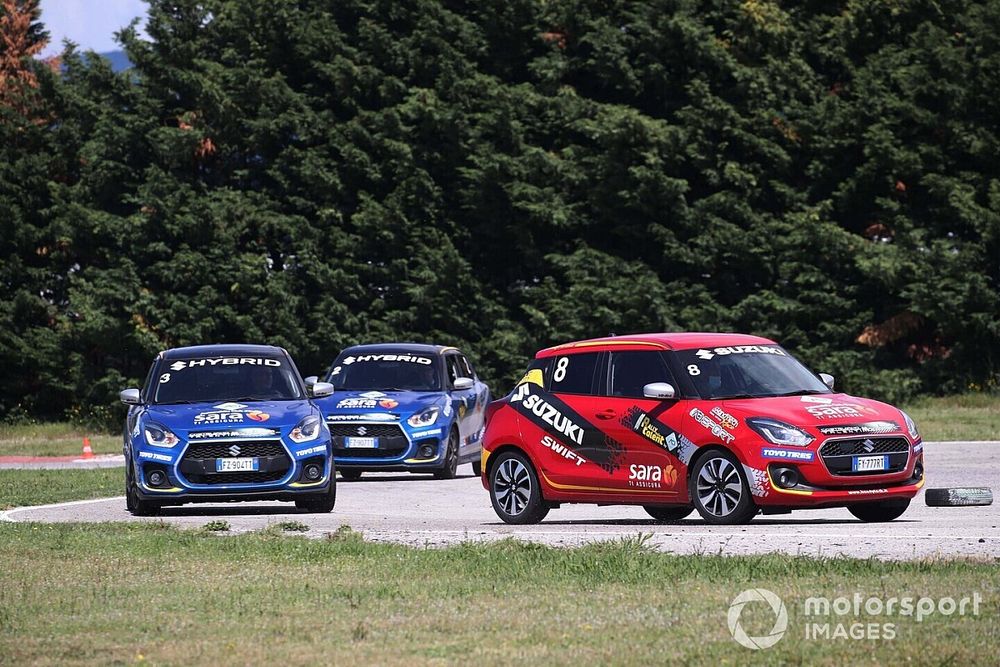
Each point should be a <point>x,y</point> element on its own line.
<point>728,424</point>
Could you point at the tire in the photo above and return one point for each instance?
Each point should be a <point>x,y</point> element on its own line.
<point>351,475</point>
<point>449,468</point>
<point>961,497</point>
<point>321,504</point>
<point>514,490</point>
<point>133,503</point>
<point>477,467</point>
<point>879,512</point>
<point>719,490</point>
<point>668,514</point>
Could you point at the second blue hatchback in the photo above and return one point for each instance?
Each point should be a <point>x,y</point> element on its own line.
<point>404,407</point>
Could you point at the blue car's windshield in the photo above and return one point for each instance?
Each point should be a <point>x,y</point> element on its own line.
<point>209,379</point>
<point>386,371</point>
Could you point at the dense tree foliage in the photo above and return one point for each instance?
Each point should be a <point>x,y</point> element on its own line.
<point>504,176</point>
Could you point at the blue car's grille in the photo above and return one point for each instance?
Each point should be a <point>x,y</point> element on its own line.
<point>198,463</point>
<point>392,442</point>
<point>221,450</point>
<point>365,430</point>
<point>238,477</point>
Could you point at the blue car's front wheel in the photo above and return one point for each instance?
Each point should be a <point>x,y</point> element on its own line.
<point>133,501</point>
<point>450,467</point>
<point>322,503</point>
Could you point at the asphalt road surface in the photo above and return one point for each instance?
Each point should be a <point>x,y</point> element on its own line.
<point>417,510</point>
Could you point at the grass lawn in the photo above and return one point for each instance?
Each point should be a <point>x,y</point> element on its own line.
<point>117,594</point>
<point>55,439</point>
<point>963,417</point>
<point>39,487</point>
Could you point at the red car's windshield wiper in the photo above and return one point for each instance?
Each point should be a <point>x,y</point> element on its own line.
<point>801,392</point>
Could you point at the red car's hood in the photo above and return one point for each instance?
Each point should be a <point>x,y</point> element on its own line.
<point>825,414</point>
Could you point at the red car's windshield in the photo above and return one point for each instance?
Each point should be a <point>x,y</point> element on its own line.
<point>747,371</point>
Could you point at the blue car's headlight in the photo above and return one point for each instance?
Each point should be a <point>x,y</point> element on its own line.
<point>424,417</point>
<point>160,436</point>
<point>307,429</point>
<point>779,433</point>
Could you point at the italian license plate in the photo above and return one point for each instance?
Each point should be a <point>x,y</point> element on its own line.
<point>361,443</point>
<point>244,464</point>
<point>867,463</point>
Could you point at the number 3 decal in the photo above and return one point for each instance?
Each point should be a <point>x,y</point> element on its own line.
<point>165,378</point>
<point>560,373</point>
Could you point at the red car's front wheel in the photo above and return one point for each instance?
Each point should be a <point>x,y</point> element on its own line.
<point>515,491</point>
<point>719,489</point>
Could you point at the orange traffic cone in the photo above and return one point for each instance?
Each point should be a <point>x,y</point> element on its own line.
<point>88,453</point>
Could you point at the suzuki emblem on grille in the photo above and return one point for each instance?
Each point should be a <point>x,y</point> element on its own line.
<point>362,430</point>
<point>234,450</point>
<point>868,446</point>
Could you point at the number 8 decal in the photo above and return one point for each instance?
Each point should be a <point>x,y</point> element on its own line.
<point>694,370</point>
<point>560,373</point>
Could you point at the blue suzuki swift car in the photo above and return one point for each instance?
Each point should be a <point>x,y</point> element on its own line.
<point>404,407</point>
<point>226,423</point>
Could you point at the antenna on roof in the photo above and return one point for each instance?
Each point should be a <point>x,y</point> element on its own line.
<point>611,334</point>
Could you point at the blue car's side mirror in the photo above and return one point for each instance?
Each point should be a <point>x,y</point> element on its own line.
<point>130,396</point>
<point>321,389</point>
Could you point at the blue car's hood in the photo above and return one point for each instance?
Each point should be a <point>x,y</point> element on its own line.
<point>216,415</point>
<point>399,403</point>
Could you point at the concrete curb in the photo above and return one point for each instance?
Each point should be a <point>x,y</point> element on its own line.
<point>61,462</point>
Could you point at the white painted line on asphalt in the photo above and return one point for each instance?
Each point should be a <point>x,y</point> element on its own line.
<point>962,442</point>
<point>755,536</point>
<point>7,515</point>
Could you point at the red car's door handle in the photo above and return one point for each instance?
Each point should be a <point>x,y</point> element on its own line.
<point>606,414</point>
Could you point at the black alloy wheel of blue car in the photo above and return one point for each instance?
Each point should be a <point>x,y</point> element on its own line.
<point>450,468</point>
<point>133,503</point>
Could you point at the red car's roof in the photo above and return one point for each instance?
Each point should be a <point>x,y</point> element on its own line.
<point>655,341</point>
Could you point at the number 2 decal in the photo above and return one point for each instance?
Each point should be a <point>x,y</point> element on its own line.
<point>560,373</point>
